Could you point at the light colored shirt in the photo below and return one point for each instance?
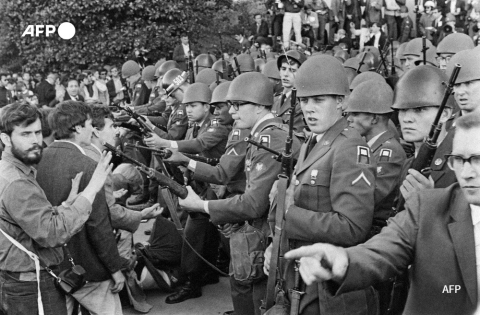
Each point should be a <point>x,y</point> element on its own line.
<point>476,232</point>
<point>186,49</point>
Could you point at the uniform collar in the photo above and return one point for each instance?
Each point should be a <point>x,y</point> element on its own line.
<point>371,142</point>
<point>267,116</point>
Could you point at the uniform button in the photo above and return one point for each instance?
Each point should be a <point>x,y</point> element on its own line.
<point>297,182</point>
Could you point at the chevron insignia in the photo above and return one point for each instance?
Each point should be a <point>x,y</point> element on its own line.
<point>360,177</point>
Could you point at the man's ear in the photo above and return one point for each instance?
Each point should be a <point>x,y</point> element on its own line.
<point>340,102</point>
<point>7,141</point>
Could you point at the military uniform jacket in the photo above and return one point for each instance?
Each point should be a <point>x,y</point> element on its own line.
<point>230,169</point>
<point>389,157</point>
<point>177,124</point>
<point>282,112</point>
<point>333,203</point>
<point>210,141</point>
<point>141,93</point>
<point>261,172</point>
<point>442,175</point>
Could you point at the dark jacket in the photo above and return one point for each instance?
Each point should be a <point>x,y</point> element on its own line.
<point>46,93</point>
<point>291,6</point>
<point>3,96</point>
<point>94,247</point>
<point>262,30</point>
<point>67,97</point>
<point>111,88</point>
<point>381,42</point>
<point>179,56</point>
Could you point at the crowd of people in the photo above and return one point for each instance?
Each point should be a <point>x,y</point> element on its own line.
<point>344,220</point>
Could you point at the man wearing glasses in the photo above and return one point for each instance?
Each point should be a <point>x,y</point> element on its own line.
<point>250,97</point>
<point>438,234</point>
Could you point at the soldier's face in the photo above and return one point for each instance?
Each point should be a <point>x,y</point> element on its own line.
<point>467,143</point>
<point>222,114</point>
<point>197,111</point>
<point>410,62</point>
<point>321,111</point>
<point>245,116</point>
<point>467,96</point>
<point>416,122</point>
<point>443,61</point>
<point>287,74</point>
<point>362,122</point>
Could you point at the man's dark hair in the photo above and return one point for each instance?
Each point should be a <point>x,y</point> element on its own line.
<point>46,131</point>
<point>17,114</point>
<point>82,77</point>
<point>379,24</point>
<point>183,35</point>
<point>69,80</point>
<point>257,14</point>
<point>99,114</point>
<point>66,116</point>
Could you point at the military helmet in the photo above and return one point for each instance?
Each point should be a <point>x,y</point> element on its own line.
<point>351,74</point>
<point>430,57</point>
<point>270,70</point>
<point>251,87</point>
<point>214,84</point>
<point>321,75</point>
<point>470,62</point>
<point>197,92</point>
<point>159,63</point>
<point>375,53</point>
<point>259,64</point>
<point>220,93</point>
<point>400,50</point>
<point>371,96</point>
<point>291,55</point>
<point>130,68</point>
<point>455,42</point>
<point>422,86</point>
<point>364,77</point>
<point>354,62</point>
<point>173,79</point>
<point>244,62</point>
<point>148,74</point>
<point>415,47</point>
<point>342,54</point>
<point>206,76</point>
<point>369,61</point>
<point>203,61</point>
<point>164,67</point>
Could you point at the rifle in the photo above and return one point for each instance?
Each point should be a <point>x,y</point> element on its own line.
<point>427,151</point>
<point>284,178</point>
<point>190,70</point>
<point>237,66</point>
<point>362,62</point>
<point>224,63</point>
<point>424,49</point>
<point>165,154</point>
<point>145,129</point>
<point>163,180</point>
<point>383,52</point>
<point>393,71</point>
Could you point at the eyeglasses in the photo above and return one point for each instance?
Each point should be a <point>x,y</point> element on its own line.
<point>457,162</point>
<point>236,105</point>
<point>444,59</point>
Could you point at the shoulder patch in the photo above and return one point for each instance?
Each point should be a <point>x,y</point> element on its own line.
<point>179,112</point>
<point>211,129</point>
<point>363,155</point>
<point>232,152</point>
<point>265,140</point>
<point>236,134</point>
<point>215,123</point>
<point>385,155</point>
<point>259,167</point>
<point>138,86</point>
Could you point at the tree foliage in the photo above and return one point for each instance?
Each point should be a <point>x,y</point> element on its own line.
<point>106,29</point>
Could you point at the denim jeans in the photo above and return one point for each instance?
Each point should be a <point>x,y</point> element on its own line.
<point>20,297</point>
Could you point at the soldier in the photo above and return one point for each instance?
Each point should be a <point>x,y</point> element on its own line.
<point>243,63</point>
<point>330,197</point>
<point>140,92</point>
<point>467,87</point>
<point>451,45</point>
<point>288,64</point>
<point>270,70</point>
<point>250,102</point>
<point>417,96</point>
<point>208,138</point>
<point>369,113</point>
<point>413,52</point>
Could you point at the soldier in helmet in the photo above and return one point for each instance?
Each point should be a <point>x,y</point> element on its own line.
<point>243,63</point>
<point>288,64</point>
<point>451,45</point>
<point>271,72</point>
<point>140,92</point>
<point>467,87</point>
<point>207,137</point>
<point>369,113</point>
<point>203,61</point>
<point>250,101</point>
<point>418,95</point>
<point>413,52</point>
<point>330,197</point>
